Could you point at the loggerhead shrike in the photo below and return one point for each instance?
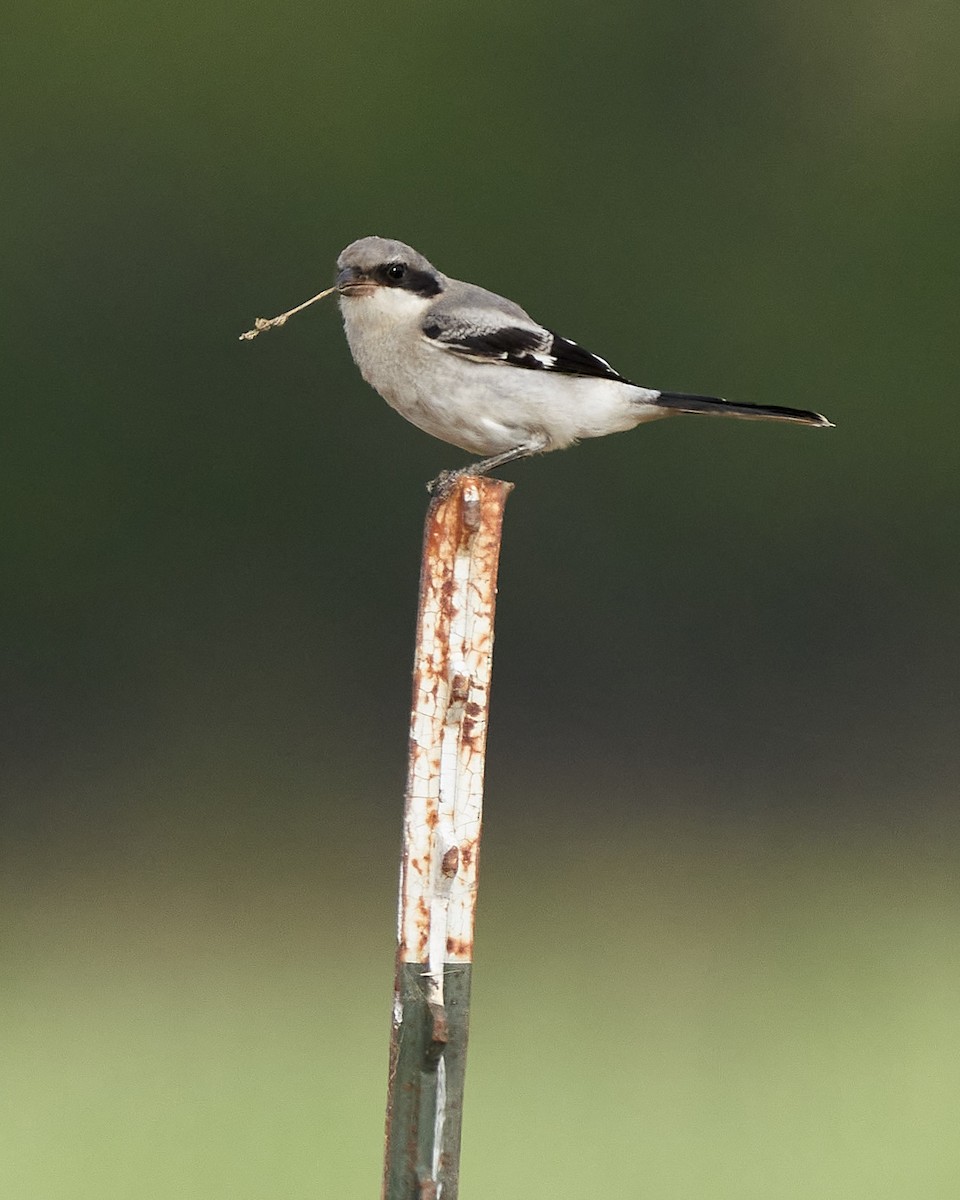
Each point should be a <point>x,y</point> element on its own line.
<point>473,369</point>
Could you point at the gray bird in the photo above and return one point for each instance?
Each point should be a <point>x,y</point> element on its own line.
<point>473,369</point>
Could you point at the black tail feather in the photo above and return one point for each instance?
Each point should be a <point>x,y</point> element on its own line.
<point>712,405</point>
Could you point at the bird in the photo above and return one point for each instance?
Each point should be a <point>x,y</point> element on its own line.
<point>475,370</point>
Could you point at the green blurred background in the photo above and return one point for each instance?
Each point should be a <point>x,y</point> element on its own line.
<point>717,948</point>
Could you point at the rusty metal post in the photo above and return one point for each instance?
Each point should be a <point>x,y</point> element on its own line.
<point>441,840</point>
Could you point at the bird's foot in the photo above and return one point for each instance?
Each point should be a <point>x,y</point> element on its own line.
<point>445,481</point>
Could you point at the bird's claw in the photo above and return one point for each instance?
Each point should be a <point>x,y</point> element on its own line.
<point>439,487</point>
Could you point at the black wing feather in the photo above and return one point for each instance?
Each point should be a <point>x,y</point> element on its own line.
<point>520,346</point>
<point>571,359</point>
<point>508,343</point>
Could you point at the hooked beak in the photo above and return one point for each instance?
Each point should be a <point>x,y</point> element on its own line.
<point>351,282</point>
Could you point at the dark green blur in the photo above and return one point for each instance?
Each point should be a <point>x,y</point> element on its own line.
<point>719,918</point>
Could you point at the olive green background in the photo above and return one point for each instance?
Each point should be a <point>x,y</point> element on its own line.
<point>717,946</point>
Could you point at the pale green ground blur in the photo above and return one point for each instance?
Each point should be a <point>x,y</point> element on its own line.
<point>744,1018</point>
<point>717,950</point>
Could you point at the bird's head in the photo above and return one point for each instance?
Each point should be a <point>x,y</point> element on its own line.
<point>374,263</point>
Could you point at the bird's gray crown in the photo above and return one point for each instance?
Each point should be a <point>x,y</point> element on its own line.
<point>367,253</point>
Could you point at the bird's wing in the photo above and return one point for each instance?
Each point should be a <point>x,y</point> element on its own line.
<point>494,337</point>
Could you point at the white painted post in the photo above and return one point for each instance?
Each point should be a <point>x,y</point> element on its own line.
<point>441,839</point>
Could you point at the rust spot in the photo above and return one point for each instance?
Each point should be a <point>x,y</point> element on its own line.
<point>473,709</point>
<point>466,856</point>
<point>439,1033</point>
<point>423,928</point>
<point>433,537</point>
<point>460,688</point>
<point>451,861</point>
<point>459,947</point>
<point>432,817</point>
<point>467,726</point>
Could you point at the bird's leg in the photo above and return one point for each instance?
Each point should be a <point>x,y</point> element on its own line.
<point>442,483</point>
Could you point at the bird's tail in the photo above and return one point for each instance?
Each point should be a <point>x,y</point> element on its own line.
<point>712,405</point>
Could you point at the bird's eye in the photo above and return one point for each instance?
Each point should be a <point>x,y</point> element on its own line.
<point>396,271</point>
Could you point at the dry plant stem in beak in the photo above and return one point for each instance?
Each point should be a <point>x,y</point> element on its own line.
<point>262,323</point>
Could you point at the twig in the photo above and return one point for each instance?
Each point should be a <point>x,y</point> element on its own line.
<point>441,840</point>
<point>262,323</point>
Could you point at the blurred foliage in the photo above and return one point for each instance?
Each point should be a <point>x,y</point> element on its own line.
<point>210,558</point>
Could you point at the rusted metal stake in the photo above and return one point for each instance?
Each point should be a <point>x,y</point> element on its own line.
<point>441,840</point>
